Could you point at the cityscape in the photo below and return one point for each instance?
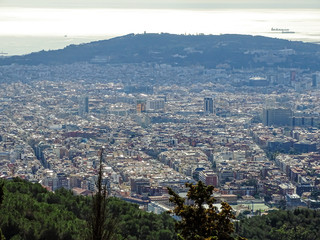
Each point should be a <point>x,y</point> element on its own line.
<point>253,134</point>
<point>159,120</point>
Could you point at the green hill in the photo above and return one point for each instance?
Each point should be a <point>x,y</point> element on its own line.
<point>298,224</point>
<point>30,212</point>
<point>236,51</point>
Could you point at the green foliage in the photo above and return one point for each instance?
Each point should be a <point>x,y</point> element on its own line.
<point>2,236</point>
<point>301,224</point>
<point>136,224</point>
<point>124,50</point>
<point>200,222</point>
<point>31,212</point>
<point>102,225</point>
<point>1,200</point>
<point>22,216</point>
<point>1,192</point>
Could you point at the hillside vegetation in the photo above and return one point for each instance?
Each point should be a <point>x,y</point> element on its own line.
<point>298,224</point>
<point>235,51</point>
<point>30,212</point>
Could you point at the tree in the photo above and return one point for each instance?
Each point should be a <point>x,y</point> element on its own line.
<point>1,192</point>
<point>102,225</point>
<point>1,200</point>
<point>199,222</point>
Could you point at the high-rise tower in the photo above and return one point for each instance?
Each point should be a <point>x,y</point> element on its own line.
<point>83,105</point>
<point>208,105</point>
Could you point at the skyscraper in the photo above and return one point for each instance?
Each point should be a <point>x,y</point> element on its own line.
<point>141,106</point>
<point>83,105</point>
<point>316,80</point>
<point>208,105</point>
<point>292,76</point>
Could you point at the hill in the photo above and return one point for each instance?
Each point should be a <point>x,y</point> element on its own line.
<point>235,51</point>
<point>286,225</point>
<point>29,211</point>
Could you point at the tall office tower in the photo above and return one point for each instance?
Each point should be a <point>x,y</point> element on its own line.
<point>141,106</point>
<point>292,76</point>
<point>208,105</point>
<point>277,116</point>
<point>83,105</point>
<point>316,80</point>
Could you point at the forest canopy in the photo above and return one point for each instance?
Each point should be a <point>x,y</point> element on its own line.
<point>29,211</point>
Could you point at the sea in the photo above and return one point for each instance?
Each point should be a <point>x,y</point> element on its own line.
<point>26,30</point>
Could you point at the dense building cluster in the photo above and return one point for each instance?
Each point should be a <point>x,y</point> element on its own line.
<point>250,133</point>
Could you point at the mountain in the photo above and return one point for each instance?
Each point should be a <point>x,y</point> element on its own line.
<point>231,50</point>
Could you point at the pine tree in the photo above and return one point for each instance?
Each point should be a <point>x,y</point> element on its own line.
<point>1,192</point>
<point>102,224</point>
<point>1,200</point>
<point>200,222</point>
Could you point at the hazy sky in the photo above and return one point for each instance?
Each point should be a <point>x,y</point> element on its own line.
<point>168,4</point>
<point>118,17</point>
<point>63,22</point>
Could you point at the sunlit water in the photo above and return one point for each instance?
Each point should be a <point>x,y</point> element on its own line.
<point>27,30</point>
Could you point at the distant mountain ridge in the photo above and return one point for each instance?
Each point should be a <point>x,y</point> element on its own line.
<point>231,50</point>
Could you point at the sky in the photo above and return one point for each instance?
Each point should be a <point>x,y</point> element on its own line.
<point>119,17</point>
<point>162,4</point>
